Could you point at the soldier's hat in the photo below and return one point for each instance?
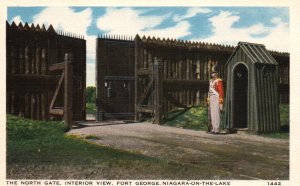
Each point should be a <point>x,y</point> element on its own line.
<point>215,69</point>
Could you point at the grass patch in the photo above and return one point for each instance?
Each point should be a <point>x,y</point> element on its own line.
<point>40,150</point>
<point>284,115</point>
<point>189,118</point>
<point>196,118</point>
<point>91,108</point>
<point>279,135</point>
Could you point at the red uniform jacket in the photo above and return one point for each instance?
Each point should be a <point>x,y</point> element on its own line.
<point>218,87</point>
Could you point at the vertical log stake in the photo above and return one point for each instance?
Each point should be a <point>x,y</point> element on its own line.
<point>68,107</point>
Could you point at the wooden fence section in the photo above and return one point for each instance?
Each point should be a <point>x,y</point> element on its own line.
<point>33,54</point>
<point>115,76</point>
<point>283,60</point>
<point>183,68</point>
<point>175,73</point>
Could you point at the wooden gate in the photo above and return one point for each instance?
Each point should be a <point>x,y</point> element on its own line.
<point>115,77</point>
<point>64,85</point>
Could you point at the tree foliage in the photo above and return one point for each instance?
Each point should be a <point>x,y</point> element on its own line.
<point>91,94</point>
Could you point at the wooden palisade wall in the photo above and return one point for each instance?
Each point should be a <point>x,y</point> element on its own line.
<point>184,69</point>
<point>31,50</point>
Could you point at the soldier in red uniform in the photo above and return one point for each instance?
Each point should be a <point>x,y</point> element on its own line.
<point>215,101</point>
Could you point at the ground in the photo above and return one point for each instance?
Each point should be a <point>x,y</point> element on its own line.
<point>230,156</point>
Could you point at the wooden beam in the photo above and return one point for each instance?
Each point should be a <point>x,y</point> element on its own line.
<point>57,66</point>
<point>146,92</point>
<point>141,72</point>
<point>57,111</point>
<point>29,82</point>
<point>171,82</point>
<point>119,78</point>
<point>30,77</point>
<point>144,109</point>
<point>56,91</point>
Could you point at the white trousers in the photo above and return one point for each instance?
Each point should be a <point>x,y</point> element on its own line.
<point>214,113</point>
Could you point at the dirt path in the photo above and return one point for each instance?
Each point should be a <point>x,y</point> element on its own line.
<point>244,156</point>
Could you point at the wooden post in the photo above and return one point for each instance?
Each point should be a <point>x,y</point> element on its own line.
<point>68,85</point>
<point>27,61</point>
<point>21,103</point>
<point>33,61</point>
<point>27,105</point>
<point>188,97</point>
<point>44,105</point>
<point>13,61</point>
<point>21,62</point>
<point>136,60</point>
<point>165,69</point>
<point>37,61</point>
<point>169,68</point>
<point>43,62</point>
<point>38,106</point>
<point>198,97</point>
<point>33,106</point>
<point>8,102</point>
<point>158,92</point>
<point>188,71</point>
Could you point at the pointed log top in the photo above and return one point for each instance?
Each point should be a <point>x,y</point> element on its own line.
<point>51,29</point>
<point>43,28</point>
<point>20,26</point>
<point>7,24</point>
<point>13,25</point>
<point>37,28</point>
<point>32,27</point>
<point>26,26</point>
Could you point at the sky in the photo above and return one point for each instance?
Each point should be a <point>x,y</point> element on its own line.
<point>222,25</point>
